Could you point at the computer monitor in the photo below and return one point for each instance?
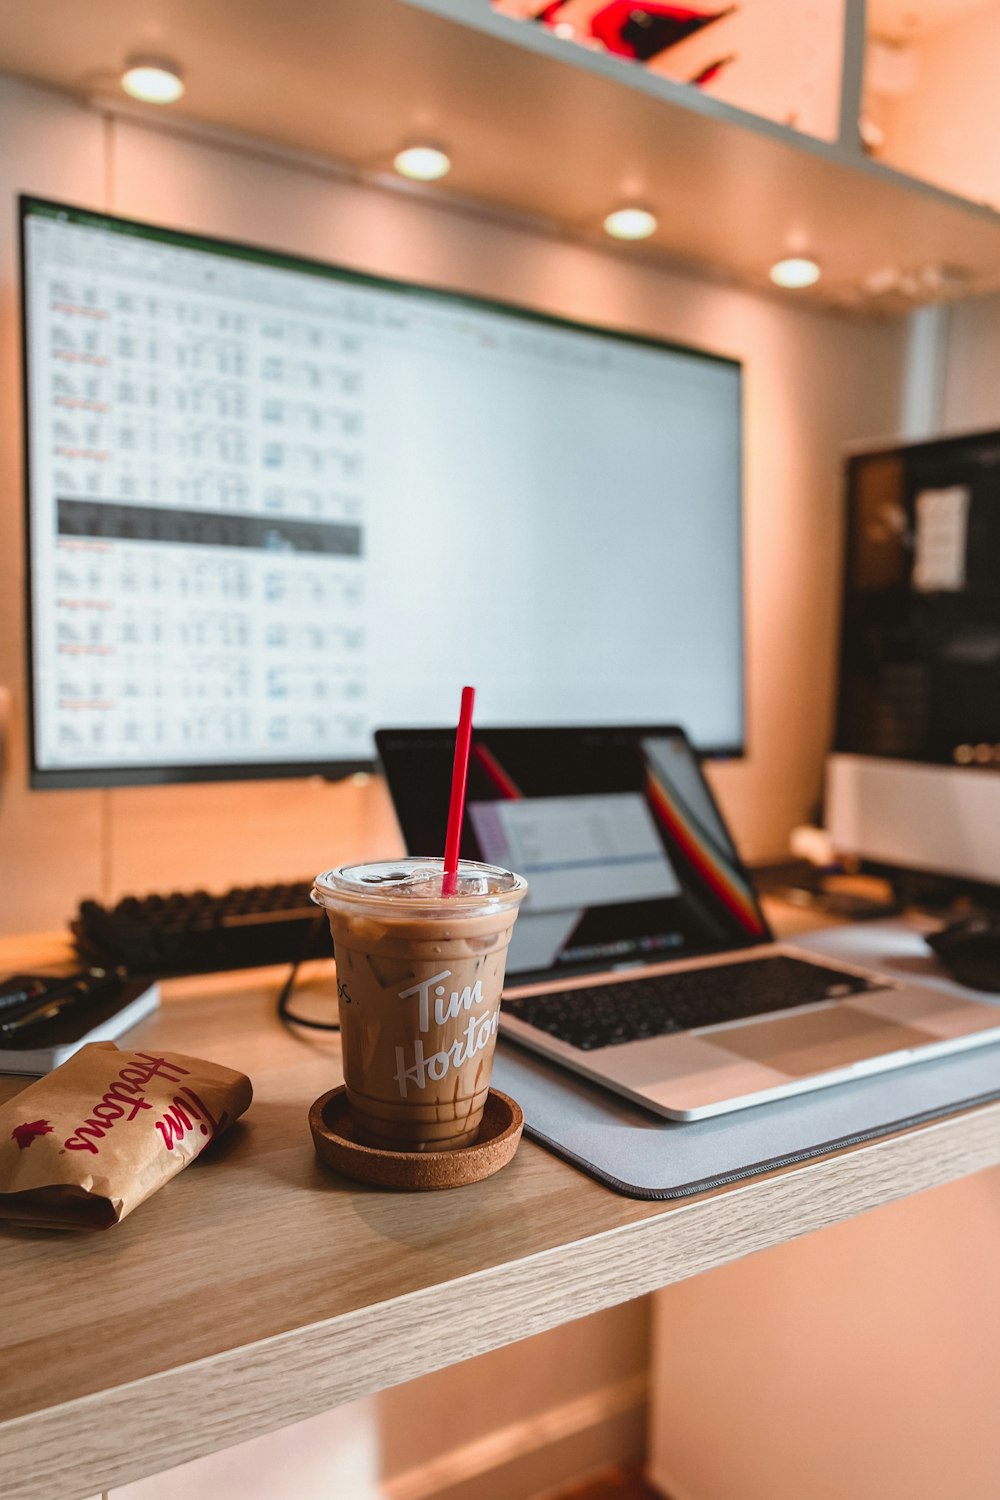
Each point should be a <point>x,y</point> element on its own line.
<point>914,781</point>
<point>274,503</point>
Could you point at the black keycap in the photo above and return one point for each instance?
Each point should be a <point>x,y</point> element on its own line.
<point>655,1005</point>
<point>195,932</point>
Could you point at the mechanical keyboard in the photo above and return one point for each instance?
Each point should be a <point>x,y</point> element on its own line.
<point>633,1010</point>
<point>195,932</point>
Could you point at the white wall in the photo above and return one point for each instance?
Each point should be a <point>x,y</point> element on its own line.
<point>944,128</point>
<point>860,1363</point>
<point>812,383</point>
<point>971,387</point>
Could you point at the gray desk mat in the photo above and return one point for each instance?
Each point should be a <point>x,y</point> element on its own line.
<point>643,1156</point>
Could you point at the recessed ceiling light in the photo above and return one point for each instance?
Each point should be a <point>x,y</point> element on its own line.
<point>630,223</point>
<point>795,272</point>
<point>422,163</point>
<point>154,80</point>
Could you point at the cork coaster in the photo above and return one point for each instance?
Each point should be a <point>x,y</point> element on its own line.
<point>499,1135</point>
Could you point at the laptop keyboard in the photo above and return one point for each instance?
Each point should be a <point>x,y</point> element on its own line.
<point>633,1010</point>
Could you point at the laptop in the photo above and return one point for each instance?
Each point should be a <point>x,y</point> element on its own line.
<point>641,957</point>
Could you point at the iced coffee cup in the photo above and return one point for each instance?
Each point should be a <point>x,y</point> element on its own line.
<point>419,976</point>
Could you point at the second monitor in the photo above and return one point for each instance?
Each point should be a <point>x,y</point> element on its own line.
<point>914,782</point>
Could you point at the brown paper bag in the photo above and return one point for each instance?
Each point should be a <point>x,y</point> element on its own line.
<point>84,1146</point>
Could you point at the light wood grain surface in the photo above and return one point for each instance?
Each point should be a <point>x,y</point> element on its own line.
<point>258,1289</point>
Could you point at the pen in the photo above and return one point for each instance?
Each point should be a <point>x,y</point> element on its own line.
<point>81,987</point>
<point>31,989</point>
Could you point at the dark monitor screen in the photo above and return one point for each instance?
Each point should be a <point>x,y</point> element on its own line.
<point>273,503</point>
<point>920,637</point>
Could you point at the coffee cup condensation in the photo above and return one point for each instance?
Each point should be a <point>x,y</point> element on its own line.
<point>419,978</point>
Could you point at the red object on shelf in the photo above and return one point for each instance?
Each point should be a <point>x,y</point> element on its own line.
<point>641,31</point>
<point>712,71</point>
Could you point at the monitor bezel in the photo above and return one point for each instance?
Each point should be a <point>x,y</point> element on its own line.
<point>42,778</point>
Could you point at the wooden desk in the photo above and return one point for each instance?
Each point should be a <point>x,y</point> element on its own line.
<point>258,1289</point>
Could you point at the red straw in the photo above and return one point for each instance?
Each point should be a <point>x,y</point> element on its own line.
<point>456,808</point>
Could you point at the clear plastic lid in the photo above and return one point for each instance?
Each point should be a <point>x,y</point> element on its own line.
<point>416,884</point>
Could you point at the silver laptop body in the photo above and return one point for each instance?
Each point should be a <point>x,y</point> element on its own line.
<point>629,860</point>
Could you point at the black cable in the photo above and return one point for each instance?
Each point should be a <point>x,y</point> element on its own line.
<point>284,1014</point>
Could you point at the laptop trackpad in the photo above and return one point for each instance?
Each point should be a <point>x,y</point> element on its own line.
<point>824,1039</point>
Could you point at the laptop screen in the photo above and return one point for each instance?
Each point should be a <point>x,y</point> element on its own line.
<point>626,855</point>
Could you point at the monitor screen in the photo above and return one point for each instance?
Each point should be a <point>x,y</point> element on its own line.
<point>920,638</point>
<point>627,857</point>
<point>274,503</point>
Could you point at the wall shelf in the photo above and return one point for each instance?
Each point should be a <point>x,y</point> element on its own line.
<point>735,190</point>
<point>545,132</point>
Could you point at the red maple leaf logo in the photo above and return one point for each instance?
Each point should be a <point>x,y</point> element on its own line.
<point>25,1134</point>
